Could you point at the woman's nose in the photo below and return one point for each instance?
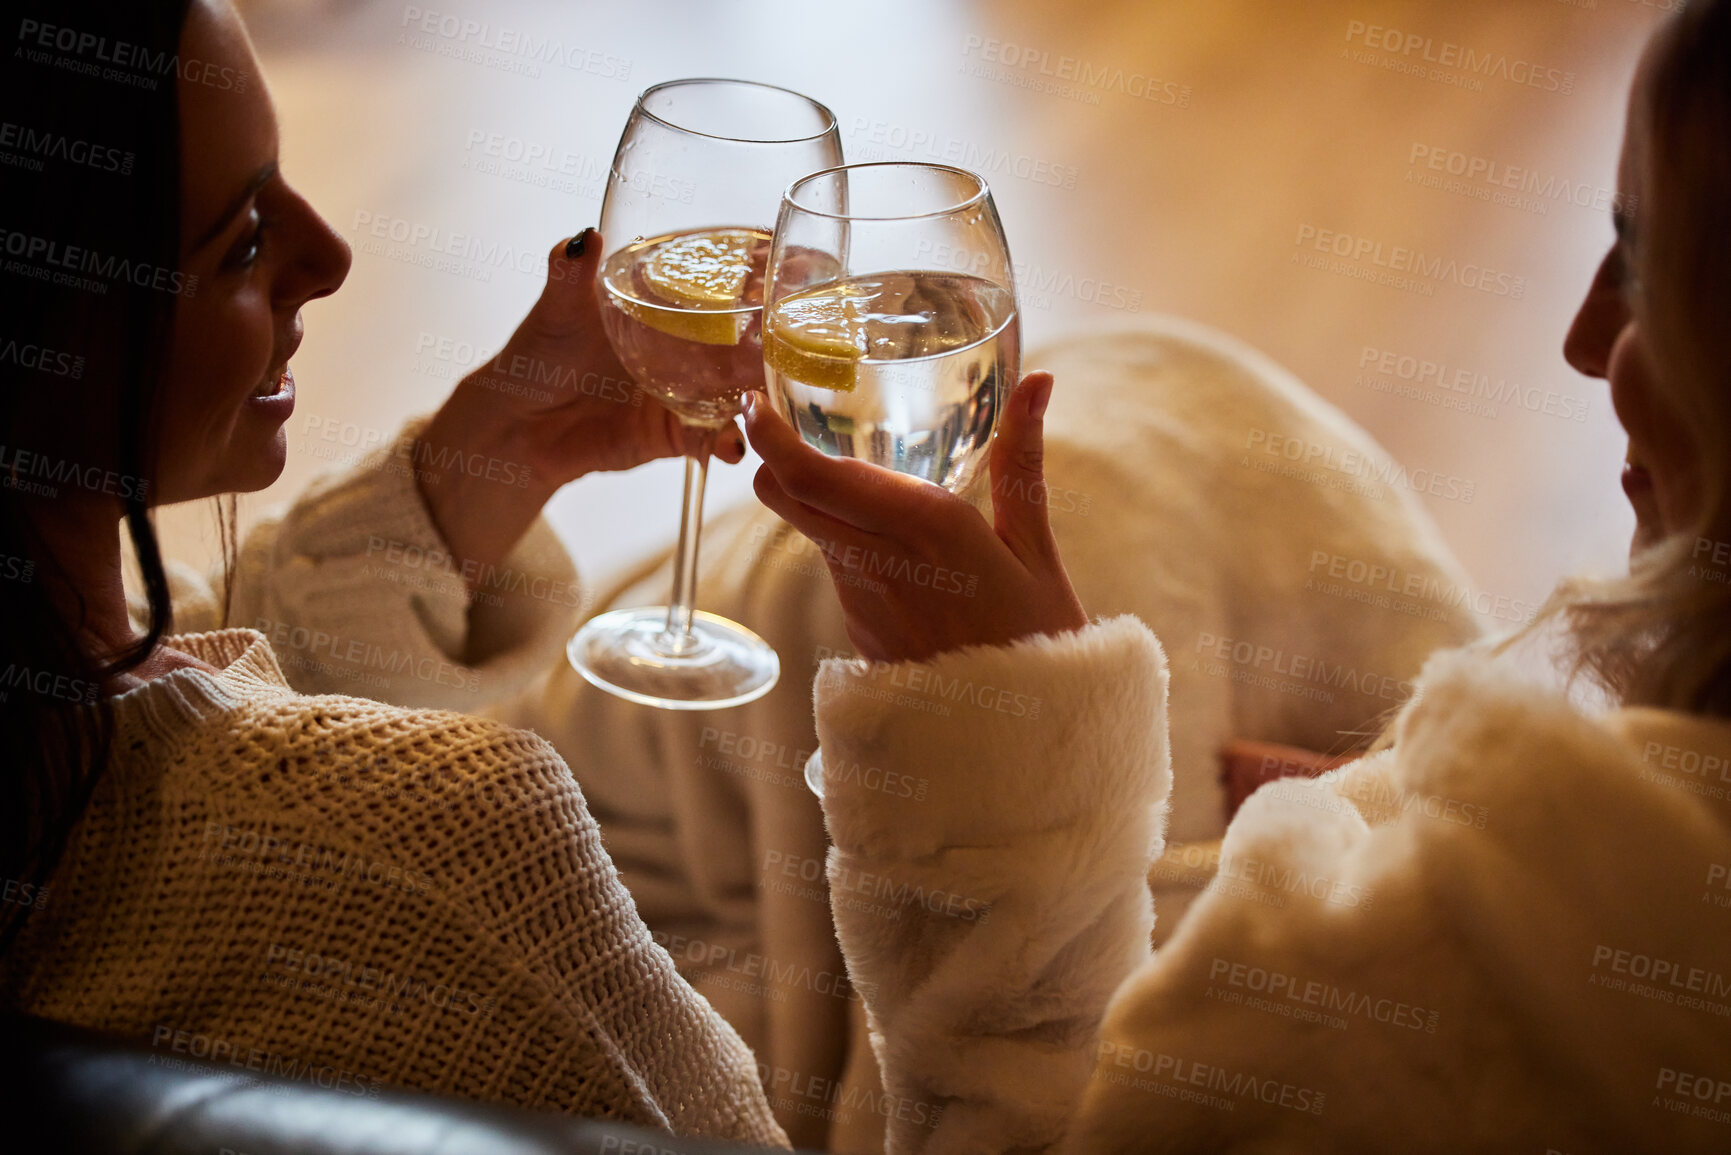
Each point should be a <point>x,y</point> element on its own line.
<point>1599,319</point>
<point>324,258</point>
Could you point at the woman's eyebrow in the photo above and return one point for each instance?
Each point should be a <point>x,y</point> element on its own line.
<point>258,180</point>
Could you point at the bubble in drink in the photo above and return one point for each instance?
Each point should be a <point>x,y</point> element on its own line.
<point>683,312</point>
<point>903,369</point>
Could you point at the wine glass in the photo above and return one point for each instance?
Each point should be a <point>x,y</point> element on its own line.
<point>890,326</point>
<point>686,219</point>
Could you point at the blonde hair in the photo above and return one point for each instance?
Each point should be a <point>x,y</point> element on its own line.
<point>1662,635</point>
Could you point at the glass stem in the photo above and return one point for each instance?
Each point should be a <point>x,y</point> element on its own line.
<point>684,601</point>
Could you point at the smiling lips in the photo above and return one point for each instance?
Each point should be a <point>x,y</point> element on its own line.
<point>271,386</point>
<point>1638,487</point>
<point>282,378</point>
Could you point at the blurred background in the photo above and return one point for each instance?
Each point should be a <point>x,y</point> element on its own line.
<point>1267,167</point>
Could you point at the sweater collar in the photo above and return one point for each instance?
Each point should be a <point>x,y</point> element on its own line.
<point>165,709</point>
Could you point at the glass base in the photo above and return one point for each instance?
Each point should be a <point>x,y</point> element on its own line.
<point>629,653</point>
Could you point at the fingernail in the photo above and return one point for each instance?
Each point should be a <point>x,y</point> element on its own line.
<point>574,246</point>
<point>1038,402</point>
<point>749,404</point>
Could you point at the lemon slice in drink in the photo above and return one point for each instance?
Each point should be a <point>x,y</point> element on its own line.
<point>702,278</point>
<point>817,337</point>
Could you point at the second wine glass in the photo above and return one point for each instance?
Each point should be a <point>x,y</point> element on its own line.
<point>890,321</point>
<point>690,203</point>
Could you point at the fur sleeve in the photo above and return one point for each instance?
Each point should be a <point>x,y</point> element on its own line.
<point>994,812</point>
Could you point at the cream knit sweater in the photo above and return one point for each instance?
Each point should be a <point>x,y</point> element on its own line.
<point>363,895</point>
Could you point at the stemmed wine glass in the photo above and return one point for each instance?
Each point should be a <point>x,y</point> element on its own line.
<point>890,325</point>
<point>686,219</point>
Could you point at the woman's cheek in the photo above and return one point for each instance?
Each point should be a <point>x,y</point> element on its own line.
<point>1659,436</point>
<point>247,340</point>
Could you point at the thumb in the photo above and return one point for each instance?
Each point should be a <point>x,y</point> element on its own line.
<point>571,268</point>
<point>1020,510</point>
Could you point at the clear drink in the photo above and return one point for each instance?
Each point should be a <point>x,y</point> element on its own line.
<point>684,314</point>
<point>902,369</point>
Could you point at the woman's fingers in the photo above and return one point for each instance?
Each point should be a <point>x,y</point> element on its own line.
<point>834,537</point>
<point>855,492</point>
<point>1020,508</point>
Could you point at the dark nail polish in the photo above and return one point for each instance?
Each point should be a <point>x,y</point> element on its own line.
<point>574,246</point>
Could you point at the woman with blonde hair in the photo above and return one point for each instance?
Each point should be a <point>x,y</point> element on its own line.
<point>1507,930</point>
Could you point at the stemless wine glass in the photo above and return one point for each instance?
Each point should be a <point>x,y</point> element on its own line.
<point>690,201</point>
<point>890,325</point>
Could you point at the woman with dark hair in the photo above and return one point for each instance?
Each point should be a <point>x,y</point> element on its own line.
<point>1505,930</point>
<point>219,882</point>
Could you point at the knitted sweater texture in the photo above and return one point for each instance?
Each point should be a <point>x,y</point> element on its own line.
<point>359,895</point>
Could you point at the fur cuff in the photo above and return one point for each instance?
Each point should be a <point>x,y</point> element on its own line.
<point>986,745</point>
